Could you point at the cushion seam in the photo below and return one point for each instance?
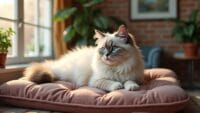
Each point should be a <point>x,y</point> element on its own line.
<point>96,106</point>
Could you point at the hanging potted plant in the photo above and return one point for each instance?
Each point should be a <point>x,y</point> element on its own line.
<point>5,43</point>
<point>188,33</point>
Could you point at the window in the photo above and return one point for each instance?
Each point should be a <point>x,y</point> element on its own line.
<point>32,22</point>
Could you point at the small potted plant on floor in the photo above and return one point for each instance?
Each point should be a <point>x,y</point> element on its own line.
<point>188,33</point>
<point>5,43</point>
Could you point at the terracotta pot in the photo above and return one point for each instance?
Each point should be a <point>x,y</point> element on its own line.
<point>2,60</point>
<point>190,49</point>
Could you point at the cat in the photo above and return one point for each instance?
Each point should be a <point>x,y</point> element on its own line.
<point>115,63</point>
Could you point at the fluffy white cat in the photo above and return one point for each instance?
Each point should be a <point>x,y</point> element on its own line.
<point>115,63</point>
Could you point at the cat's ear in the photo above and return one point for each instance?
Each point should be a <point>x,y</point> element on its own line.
<point>99,34</point>
<point>122,33</point>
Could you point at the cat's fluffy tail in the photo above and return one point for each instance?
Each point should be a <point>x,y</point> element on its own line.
<point>38,73</point>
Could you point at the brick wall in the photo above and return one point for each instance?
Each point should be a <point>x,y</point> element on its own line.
<point>155,32</point>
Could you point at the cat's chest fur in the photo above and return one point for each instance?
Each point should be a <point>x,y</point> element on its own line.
<point>120,73</point>
<point>114,74</point>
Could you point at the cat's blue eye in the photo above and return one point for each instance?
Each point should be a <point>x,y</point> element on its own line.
<point>115,49</point>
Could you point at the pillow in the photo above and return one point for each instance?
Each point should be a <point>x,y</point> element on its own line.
<point>159,94</point>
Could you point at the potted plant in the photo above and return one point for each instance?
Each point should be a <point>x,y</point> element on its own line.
<point>5,43</point>
<point>188,33</point>
<point>86,17</point>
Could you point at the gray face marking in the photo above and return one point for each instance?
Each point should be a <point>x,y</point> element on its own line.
<point>109,49</point>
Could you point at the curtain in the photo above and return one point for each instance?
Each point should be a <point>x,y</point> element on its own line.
<point>60,46</point>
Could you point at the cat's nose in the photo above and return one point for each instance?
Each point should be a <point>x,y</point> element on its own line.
<point>108,57</point>
<point>107,54</point>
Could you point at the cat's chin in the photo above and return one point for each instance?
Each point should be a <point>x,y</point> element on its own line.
<point>110,62</point>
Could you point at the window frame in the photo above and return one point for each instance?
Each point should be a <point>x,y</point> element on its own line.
<point>19,24</point>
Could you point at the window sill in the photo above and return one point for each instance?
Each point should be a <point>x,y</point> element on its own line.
<point>11,72</point>
<point>13,68</point>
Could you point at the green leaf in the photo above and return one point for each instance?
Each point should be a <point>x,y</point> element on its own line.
<point>65,13</point>
<point>177,33</point>
<point>116,20</point>
<point>188,31</point>
<point>92,3</point>
<point>82,41</point>
<point>96,12</point>
<point>5,39</point>
<point>81,26</point>
<point>191,30</point>
<point>194,15</point>
<point>198,25</point>
<point>82,1</point>
<point>101,22</point>
<point>69,33</point>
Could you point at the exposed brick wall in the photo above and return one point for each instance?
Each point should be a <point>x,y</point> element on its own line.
<point>154,32</point>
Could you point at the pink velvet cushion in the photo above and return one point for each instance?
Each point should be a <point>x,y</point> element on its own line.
<point>159,94</point>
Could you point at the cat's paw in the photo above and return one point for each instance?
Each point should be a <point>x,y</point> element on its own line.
<point>131,86</point>
<point>116,86</point>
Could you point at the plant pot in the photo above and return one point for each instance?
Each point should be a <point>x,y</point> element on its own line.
<point>3,60</point>
<point>190,49</point>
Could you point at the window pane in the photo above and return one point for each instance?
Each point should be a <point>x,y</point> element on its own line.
<point>45,13</point>
<point>30,11</point>
<point>7,9</point>
<point>45,42</point>
<point>5,25</point>
<point>30,41</point>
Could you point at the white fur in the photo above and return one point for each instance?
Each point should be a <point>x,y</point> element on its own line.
<point>74,66</point>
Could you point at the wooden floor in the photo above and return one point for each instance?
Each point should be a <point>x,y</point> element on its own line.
<point>193,107</point>
<point>196,94</point>
<point>194,104</point>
